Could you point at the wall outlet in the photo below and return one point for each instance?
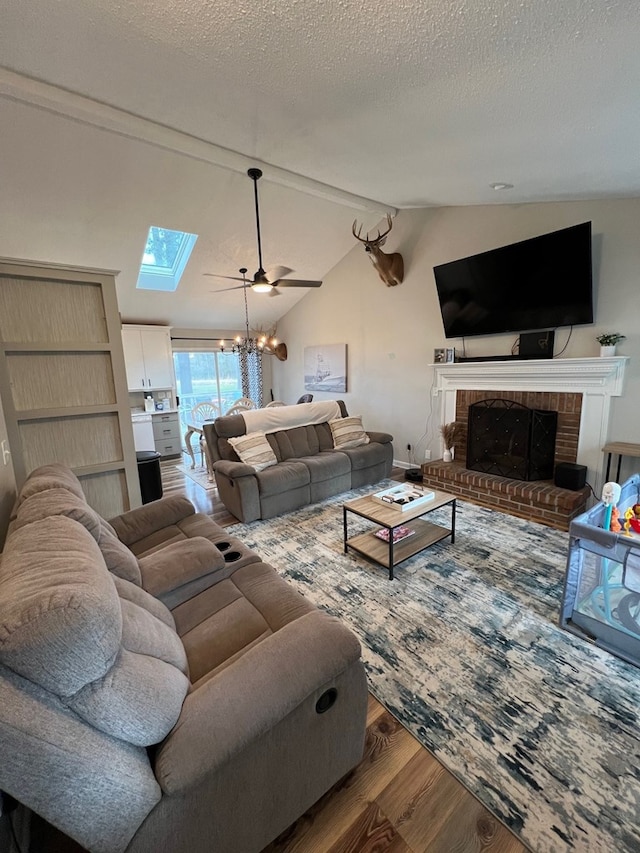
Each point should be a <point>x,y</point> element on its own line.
<point>427,456</point>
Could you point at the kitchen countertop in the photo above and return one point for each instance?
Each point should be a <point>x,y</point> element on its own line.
<point>135,412</point>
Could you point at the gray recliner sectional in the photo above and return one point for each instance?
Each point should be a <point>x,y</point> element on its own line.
<point>309,468</point>
<point>161,688</point>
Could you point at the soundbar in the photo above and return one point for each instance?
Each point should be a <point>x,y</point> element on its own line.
<point>530,345</point>
<point>493,358</point>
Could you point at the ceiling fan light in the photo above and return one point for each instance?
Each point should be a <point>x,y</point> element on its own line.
<point>261,287</point>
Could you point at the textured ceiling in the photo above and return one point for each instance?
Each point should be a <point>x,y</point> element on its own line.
<point>406,103</point>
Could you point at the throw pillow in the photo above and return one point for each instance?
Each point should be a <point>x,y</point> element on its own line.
<point>254,449</point>
<point>348,432</point>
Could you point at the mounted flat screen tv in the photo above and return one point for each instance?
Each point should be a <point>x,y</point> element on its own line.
<point>540,283</point>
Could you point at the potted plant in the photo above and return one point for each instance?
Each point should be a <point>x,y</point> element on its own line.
<point>608,341</point>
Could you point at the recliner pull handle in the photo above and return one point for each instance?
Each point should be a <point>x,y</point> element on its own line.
<point>327,700</point>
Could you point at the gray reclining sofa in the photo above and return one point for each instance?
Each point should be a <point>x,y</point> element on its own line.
<point>161,688</point>
<point>308,467</point>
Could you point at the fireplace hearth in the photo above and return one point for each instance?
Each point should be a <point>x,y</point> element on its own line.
<point>509,439</point>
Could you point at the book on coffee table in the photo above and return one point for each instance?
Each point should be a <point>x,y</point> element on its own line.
<point>399,533</point>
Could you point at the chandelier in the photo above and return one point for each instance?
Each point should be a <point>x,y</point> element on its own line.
<point>249,345</point>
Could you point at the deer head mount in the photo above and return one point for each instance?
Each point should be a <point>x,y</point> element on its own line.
<point>268,342</point>
<point>390,267</point>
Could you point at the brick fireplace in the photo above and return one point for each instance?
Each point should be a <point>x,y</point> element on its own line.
<point>579,390</point>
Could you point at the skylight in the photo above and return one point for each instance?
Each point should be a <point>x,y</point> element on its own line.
<point>165,257</point>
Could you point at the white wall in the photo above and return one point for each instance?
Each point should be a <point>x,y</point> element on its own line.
<point>391,332</point>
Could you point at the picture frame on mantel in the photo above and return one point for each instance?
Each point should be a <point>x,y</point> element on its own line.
<point>325,368</point>
<point>444,355</point>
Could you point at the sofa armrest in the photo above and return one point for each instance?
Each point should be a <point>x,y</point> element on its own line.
<point>250,696</point>
<point>234,469</point>
<point>238,489</point>
<point>145,520</point>
<point>176,566</point>
<point>380,437</point>
<point>78,778</point>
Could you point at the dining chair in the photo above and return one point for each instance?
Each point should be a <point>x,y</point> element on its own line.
<point>204,412</point>
<point>241,405</point>
<point>200,413</point>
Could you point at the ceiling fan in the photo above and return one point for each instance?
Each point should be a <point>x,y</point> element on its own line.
<point>263,282</point>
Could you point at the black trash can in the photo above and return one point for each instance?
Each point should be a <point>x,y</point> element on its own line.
<point>149,475</point>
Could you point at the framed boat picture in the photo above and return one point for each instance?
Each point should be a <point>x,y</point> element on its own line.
<point>325,368</point>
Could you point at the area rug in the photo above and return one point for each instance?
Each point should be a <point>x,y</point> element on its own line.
<point>463,647</point>
<point>198,475</point>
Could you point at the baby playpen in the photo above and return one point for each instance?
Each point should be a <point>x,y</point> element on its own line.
<point>601,601</point>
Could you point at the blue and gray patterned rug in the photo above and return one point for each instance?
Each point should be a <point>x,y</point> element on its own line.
<point>464,648</point>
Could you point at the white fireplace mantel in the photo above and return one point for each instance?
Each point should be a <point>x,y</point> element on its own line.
<point>597,379</point>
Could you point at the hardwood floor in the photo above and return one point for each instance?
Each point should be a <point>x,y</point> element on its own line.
<point>399,799</point>
<point>174,482</point>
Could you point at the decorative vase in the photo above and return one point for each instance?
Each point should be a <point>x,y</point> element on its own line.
<point>607,351</point>
<point>447,456</point>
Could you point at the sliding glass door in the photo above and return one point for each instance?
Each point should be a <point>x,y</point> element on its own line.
<point>206,376</point>
<point>212,376</point>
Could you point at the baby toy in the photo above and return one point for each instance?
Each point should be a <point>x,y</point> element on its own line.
<point>610,497</point>
<point>615,526</point>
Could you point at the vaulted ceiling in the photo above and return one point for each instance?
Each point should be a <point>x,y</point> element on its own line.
<point>117,116</point>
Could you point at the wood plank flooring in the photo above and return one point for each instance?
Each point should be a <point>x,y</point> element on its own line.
<point>174,482</point>
<point>399,799</point>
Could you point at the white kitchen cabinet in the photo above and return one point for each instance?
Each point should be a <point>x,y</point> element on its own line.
<point>148,358</point>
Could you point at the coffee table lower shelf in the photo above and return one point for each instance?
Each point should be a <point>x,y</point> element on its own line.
<point>377,550</point>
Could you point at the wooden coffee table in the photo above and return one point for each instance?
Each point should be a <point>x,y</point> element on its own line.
<point>390,554</point>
